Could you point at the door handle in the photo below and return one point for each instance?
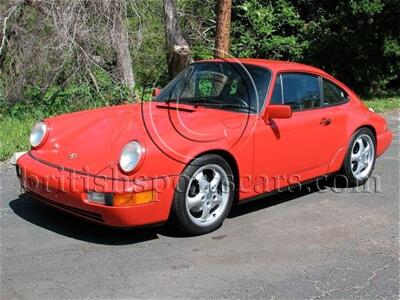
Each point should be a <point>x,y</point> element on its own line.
<point>325,121</point>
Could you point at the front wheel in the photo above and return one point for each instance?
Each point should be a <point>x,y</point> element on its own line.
<point>360,158</point>
<point>204,195</point>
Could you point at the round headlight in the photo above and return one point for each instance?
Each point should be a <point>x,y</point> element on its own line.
<point>38,134</point>
<point>131,155</point>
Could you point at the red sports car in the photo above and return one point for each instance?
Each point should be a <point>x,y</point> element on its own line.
<point>221,132</point>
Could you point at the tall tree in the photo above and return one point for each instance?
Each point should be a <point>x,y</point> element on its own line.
<point>224,8</point>
<point>178,51</point>
<point>120,40</point>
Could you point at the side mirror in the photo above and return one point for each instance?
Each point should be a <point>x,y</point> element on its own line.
<point>277,112</point>
<point>156,92</point>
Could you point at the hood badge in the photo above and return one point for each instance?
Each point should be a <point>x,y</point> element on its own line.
<point>72,156</point>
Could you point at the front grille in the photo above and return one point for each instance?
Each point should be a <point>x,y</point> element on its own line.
<point>84,213</point>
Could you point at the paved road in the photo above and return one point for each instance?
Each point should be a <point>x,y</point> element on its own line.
<point>294,245</point>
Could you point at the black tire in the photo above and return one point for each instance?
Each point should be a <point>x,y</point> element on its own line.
<point>179,213</point>
<point>346,170</point>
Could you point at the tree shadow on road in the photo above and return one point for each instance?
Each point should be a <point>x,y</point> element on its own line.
<point>62,223</point>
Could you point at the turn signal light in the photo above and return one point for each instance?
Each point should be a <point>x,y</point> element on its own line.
<point>134,198</point>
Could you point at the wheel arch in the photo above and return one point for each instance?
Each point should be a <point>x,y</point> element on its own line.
<point>346,168</point>
<point>373,130</point>
<point>337,162</point>
<point>368,126</point>
<point>230,159</point>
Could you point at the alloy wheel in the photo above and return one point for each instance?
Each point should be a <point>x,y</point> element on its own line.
<point>362,156</point>
<point>207,194</point>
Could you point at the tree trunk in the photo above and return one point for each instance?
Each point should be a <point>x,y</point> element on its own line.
<point>178,51</point>
<point>223,28</point>
<point>120,41</point>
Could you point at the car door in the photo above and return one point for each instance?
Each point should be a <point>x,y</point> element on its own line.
<point>335,104</point>
<point>288,151</point>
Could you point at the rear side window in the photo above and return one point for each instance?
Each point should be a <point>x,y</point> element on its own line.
<point>332,93</point>
<point>301,91</point>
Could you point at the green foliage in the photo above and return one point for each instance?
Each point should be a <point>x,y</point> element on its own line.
<point>273,30</point>
<point>148,45</point>
<point>197,23</point>
<point>18,140</point>
<point>76,95</point>
<point>357,41</point>
<point>381,105</point>
<point>201,52</point>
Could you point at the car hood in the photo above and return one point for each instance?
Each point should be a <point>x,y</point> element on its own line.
<point>91,141</point>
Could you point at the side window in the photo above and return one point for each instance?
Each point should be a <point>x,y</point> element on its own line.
<point>332,93</point>
<point>277,95</point>
<point>301,91</point>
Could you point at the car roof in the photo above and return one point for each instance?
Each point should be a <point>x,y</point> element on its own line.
<point>273,65</point>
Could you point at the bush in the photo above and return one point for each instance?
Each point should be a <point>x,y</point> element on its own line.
<point>356,41</point>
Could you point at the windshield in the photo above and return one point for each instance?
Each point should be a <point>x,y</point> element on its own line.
<point>221,85</point>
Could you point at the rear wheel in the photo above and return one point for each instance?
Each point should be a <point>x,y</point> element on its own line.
<point>360,158</point>
<point>204,195</point>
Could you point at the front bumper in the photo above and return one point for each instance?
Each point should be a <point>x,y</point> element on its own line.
<point>66,190</point>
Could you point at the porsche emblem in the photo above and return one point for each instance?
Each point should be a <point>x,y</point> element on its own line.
<point>72,156</point>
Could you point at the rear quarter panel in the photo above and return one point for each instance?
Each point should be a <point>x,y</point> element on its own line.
<point>357,115</point>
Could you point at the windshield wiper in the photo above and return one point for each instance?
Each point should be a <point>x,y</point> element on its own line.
<point>201,101</point>
<point>193,101</point>
<point>210,102</point>
<point>241,106</point>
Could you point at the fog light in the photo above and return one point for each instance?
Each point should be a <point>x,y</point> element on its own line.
<point>99,198</point>
<point>133,198</point>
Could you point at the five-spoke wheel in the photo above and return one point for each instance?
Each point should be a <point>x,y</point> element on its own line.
<point>207,194</point>
<point>360,158</point>
<point>204,195</point>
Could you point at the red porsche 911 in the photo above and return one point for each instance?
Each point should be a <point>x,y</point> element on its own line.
<point>221,132</point>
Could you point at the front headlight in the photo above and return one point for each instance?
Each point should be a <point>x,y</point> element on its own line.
<point>38,134</point>
<point>131,156</point>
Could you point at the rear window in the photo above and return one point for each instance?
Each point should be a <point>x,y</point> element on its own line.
<point>333,94</point>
